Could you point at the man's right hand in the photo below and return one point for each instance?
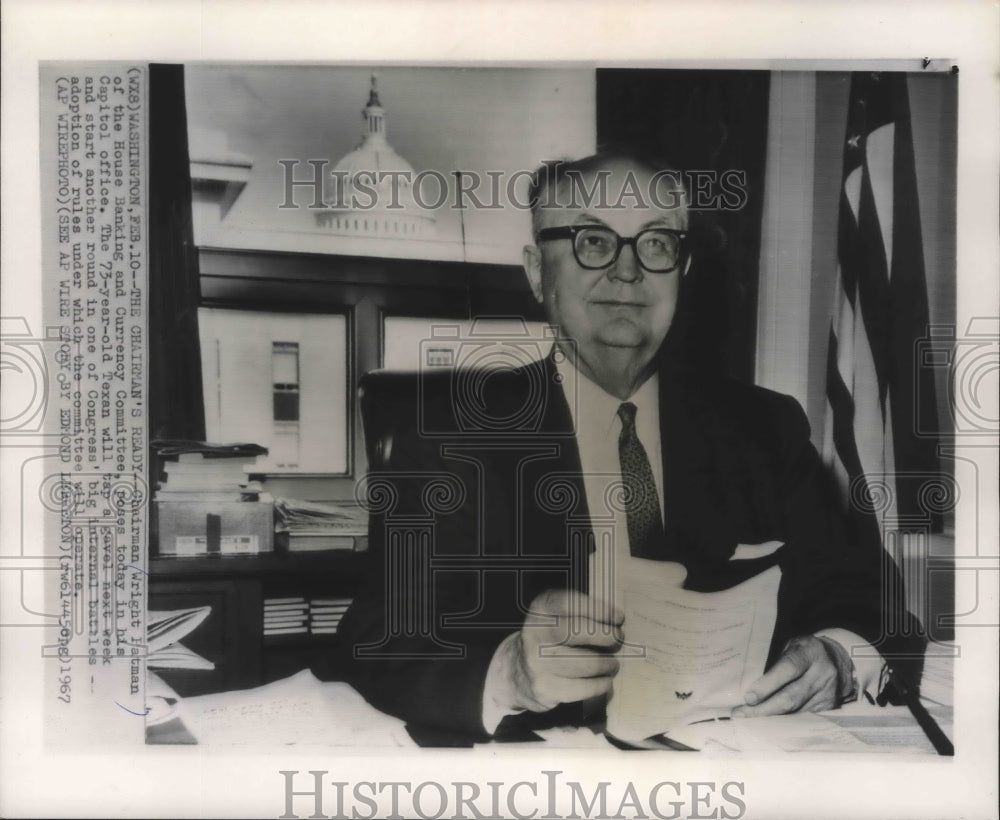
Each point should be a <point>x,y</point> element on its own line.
<point>565,650</point>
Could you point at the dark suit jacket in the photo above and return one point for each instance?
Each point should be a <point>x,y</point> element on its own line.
<point>483,508</point>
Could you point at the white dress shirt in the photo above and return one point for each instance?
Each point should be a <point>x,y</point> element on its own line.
<point>598,427</point>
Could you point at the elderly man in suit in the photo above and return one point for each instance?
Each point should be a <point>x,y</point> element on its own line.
<point>507,566</point>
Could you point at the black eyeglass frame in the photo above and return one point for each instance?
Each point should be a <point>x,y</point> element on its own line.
<point>570,232</point>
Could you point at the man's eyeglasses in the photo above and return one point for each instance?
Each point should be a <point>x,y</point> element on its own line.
<point>659,250</point>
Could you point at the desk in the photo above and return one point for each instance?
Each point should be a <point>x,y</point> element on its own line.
<point>236,587</point>
<point>304,711</point>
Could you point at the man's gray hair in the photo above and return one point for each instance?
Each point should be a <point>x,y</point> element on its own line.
<point>547,181</point>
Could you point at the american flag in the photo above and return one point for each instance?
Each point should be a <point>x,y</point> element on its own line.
<point>880,312</point>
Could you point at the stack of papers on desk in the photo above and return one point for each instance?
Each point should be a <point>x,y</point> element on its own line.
<point>313,526</point>
<point>202,472</point>
<point>296,515</point>
<point>859,727</point>
<point>298,711</point>
<point>937,684</point>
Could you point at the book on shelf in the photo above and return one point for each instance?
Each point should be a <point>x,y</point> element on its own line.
<point>206,502</point>
<point>319,541</point>
<point>217,467</point>
<point>290,614</point>
<point>301,612</point>
<point>287,630</point>
<point>277,617</point>
<point>196,477</point>
<point>189,450</point>
<point>199,483</point>
<point>320,624</point>
<point>164,631</point>
<point>200,497</point>
<point>287,611</point>
<point>230,468</point>
<point>310,526</point>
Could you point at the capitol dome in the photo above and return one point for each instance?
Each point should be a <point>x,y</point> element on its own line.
<point>369,192</point>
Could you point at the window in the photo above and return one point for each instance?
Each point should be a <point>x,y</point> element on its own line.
<point>280,380</point>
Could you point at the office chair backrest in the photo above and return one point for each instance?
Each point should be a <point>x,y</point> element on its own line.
<point>387,398</point>
<point>393,399</point>
<point>447,403</point>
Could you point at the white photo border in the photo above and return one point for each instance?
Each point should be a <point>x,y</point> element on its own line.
<point>162,782</point>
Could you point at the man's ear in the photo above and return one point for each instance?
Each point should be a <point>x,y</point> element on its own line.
<point>687,265</point>
<point>532,260</point>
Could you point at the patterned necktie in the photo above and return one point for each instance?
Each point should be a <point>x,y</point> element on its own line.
<point>642,504</point>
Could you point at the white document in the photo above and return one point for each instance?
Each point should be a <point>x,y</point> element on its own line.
<point>687,655</point>
<point>299,710</point>
<point>163,632</point>
<point>858,728</point>
<point>177,656</point>
<point>161,701</point>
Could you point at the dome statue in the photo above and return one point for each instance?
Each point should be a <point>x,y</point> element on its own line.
<point>370,191</point>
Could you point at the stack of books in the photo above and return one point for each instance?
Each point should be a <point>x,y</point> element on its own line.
<point>286,616</point>
<point>325,614</point>
<point>164,651</point>
<point>309,526</point>
<point>205,502</point>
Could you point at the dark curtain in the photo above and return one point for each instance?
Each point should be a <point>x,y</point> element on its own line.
<point>713,122</point>
<point>176,408</point>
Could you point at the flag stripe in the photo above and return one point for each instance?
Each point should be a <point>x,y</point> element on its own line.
<point>862,525</point>
<point>873,281</point>
<point>843,412</point>
<point>880,309</point>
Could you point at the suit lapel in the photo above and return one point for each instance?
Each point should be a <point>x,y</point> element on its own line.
<point>556,517</point>
<point>697,527</point>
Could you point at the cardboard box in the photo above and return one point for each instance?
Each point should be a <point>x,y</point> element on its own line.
<point>204,528</point>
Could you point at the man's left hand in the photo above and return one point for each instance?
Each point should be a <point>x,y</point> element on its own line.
<point>805,678</point>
